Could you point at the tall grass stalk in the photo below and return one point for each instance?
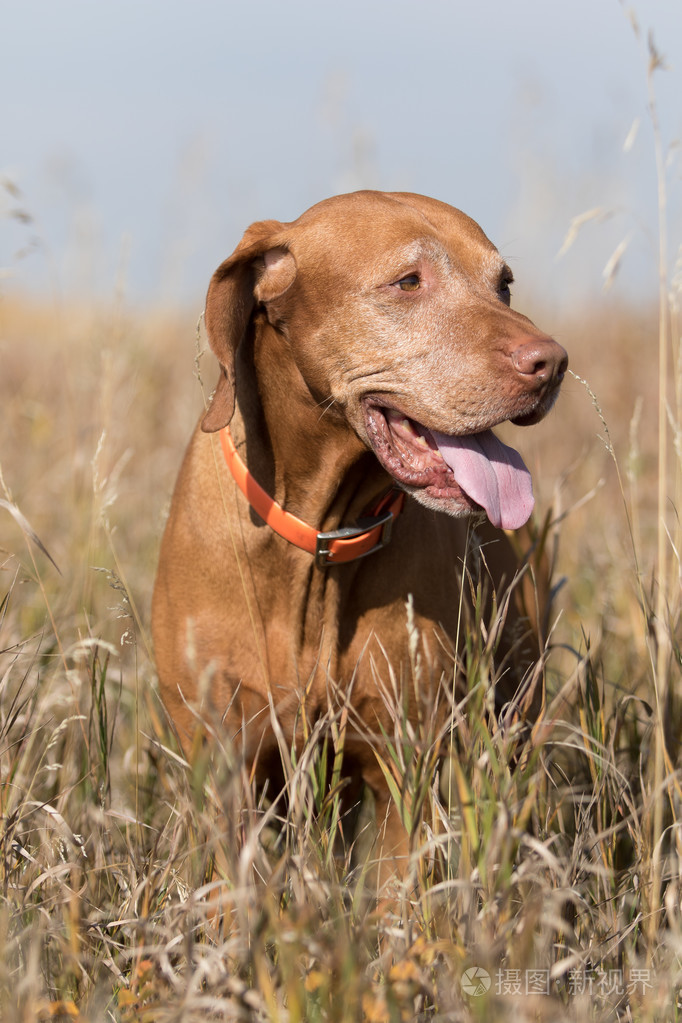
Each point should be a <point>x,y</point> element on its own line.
<point>663,644</point>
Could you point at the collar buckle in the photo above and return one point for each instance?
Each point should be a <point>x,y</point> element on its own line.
<point>330,543</point>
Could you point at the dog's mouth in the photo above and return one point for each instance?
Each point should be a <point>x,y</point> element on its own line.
<point>467,473</point>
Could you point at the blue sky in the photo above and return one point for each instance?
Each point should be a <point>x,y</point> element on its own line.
<point>144,136</point>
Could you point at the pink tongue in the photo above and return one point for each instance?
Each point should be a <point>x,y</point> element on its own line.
<point>491,474</point>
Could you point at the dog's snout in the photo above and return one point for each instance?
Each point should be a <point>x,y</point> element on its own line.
<point>542,360</point>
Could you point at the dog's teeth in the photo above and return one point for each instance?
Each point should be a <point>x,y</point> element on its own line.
<point>422,440</point>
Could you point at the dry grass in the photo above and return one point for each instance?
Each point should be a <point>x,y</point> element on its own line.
<point>541,874</point>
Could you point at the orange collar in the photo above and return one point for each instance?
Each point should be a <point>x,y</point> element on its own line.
<point>333,548</point>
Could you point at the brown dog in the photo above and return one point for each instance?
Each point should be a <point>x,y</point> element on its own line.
<point>367,345</point>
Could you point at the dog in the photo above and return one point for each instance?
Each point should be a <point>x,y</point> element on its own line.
<point>366,351</point>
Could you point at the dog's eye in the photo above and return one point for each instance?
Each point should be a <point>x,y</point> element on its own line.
<point>503,289</point>
<point>409,283</point>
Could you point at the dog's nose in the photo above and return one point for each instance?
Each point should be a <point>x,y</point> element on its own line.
<point>541,359</point>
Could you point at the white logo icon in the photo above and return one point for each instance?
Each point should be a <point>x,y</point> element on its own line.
<point>475,981</point>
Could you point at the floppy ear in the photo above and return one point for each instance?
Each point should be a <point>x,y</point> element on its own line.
<point>259,270</point>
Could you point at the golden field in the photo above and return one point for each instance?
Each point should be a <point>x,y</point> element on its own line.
<point>558,877</point>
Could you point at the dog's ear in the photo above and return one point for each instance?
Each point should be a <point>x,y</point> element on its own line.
<point>259,270</point>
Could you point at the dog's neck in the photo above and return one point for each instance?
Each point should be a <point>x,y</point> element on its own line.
<point>303,453</point>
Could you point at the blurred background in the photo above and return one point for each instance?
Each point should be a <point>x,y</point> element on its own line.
<point>140,139</point>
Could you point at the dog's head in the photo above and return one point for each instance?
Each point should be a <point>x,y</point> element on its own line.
<point>396,311</point>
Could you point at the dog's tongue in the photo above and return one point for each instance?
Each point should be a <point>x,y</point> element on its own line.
<point>491,474</point>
